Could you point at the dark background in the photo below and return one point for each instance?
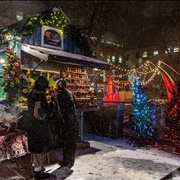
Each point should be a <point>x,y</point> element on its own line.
<point>130,23</point>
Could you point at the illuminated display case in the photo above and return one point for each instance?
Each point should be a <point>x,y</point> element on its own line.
<point>78,82</point>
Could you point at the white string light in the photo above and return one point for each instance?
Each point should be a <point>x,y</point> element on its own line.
<point>169,67</point>
<point>144,71</point>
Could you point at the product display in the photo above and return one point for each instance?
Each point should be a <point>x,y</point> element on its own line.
<point>78,82</point>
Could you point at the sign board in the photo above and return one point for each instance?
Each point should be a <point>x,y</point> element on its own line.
<point>51,37</point>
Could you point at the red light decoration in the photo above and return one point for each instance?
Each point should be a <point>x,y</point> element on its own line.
<point>168,87</point>
<point>169,90</point>
<point>110,88</point>
<point>116,96</point>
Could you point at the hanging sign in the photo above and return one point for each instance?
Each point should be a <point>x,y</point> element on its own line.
<point>52,37</point>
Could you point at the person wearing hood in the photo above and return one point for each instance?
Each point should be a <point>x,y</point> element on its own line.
<point>70,131</point>
<point>38,135</point>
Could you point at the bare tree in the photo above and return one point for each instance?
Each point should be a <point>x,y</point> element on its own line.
<point>175,19</point>
<point>166,28</point>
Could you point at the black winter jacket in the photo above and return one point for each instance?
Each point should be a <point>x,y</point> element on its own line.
<point>39,134</point>
<point>66,101</point>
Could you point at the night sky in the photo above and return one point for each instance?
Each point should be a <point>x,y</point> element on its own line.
<point>131,23</point>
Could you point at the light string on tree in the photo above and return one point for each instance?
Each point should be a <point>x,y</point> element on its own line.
<point>54,19</point>
<point>143,114</point>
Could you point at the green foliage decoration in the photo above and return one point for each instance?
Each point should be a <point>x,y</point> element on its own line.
<point>11,71</point>
<point>54,18</point>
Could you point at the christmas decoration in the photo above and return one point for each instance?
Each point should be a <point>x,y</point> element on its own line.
<point>53,17</point>
<point>143,115</point>
<point>172,121</point>
<point>9,114</point>
<point>11,71</point>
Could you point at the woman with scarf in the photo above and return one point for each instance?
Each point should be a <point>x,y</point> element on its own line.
<point>38,135</point>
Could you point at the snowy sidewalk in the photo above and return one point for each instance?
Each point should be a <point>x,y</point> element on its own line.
<point>108,159</point>
<point>115,159</point>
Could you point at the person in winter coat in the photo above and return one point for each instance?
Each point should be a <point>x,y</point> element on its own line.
<point>70,130</point>
<point>38,135</point>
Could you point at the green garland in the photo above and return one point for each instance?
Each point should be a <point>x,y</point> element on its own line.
<point>54,18</point>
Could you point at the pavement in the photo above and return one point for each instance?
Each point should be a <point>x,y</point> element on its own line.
<point>105,159</point>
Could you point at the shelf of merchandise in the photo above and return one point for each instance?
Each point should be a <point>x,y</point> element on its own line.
<point>79,83</point>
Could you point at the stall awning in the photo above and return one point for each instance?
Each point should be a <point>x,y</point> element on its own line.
<point>59,56</point>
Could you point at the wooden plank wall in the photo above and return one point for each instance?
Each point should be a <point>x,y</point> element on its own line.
<point>35,39</point>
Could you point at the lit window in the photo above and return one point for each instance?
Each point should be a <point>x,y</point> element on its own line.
<point>145,54</point>
<point>101,54</point>
<point>120,75</point>
<point>113,71</point>
<point>113,58</point>
<point>120,59</point>
<point>169,49</point>
<point>176,49</point>
<point>155,52</point>
<point>108,59</point>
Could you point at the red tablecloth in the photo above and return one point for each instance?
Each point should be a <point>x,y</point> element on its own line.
<point>13,145</point>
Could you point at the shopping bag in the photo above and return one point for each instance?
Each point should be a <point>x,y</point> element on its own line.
<point>39,112</point>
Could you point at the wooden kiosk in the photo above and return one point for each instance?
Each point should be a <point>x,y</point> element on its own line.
<point>49,45</point>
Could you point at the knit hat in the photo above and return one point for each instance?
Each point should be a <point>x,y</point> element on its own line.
<point>41,83</point>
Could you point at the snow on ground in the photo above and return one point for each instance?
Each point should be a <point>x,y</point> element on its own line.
<point>115,159</point>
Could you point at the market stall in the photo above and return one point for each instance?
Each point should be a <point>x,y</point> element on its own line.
<point>72,67</point>
<point>53,50</point>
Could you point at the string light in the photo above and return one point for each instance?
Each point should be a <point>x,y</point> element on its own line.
<point>55,19</point>
<point>143,114</point>
<point>146,69</point>
<point>168,66</point>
